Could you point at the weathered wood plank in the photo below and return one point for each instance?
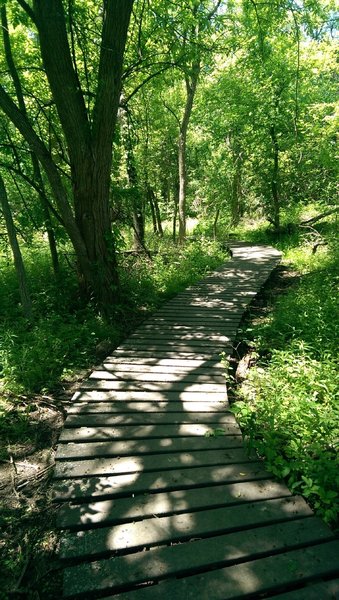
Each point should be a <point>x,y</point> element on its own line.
<point>126,485</point>
<point>135,407</point>
<point>190,336</point>
<point>210,318</point>
<point>273,573</point>
<point>181,527</point>
<point>132,358</point>
<point>149,463</point>
<point>154,376</point>
<point>147,396</point>
<point>134,367</point>
<point>200,348</point>
<point>187,328</point>
<point>129,432</point>
<point>146,446</point>
<point>166,353</point>
<point>123,510</point>
<point>161,418</point>
<point>122,572</point>
<point>179,386</point>
<point>324,590</point>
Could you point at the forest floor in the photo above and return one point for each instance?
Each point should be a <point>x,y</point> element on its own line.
<point>28,538</point>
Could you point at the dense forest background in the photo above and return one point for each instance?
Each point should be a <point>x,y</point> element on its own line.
<point>137,138</point>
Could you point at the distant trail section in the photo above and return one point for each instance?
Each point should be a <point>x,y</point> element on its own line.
<point>158,496</point>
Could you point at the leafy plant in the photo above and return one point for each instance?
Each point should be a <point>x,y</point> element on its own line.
<point>288,406</point>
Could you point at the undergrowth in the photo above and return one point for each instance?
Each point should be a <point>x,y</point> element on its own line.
<point>288,406</point>
<point>67,335</point>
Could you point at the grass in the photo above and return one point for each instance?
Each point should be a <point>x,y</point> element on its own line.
<point>288,406</point>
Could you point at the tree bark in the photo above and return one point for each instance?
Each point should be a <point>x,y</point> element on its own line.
<point>191,86</point>
<point>158,216</point>
<point>175,210</point>
<point>18,262</point>
<point>35,163</point>
<point>155,212</point>
<point>89,138</point>
<point>154,219</point>
<point>275,180</point>
<point>215,223</point>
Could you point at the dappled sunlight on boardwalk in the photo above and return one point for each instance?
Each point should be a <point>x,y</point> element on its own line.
<point>158,496</point>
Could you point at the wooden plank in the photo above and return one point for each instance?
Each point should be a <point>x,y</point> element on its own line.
<point>118,573</point>
<point>198,368</point>
<point>154,419</point>
<point>128,432</point>
<point>148,463</point>
<point>174,386</point>
<point>186,335</point>
<point>324,590</point>
<point>186,328</point>
<point>180,527</point>
<point>147,396</point>
<point>271,574</point>
<point>166,353</point>
<point>154,376</point>
<point>173,338</point>
<point>126,485</point>
<point>121,510</point>
<point>207,349</point>
<point>132,358</point>
<point>200,312</point>
<point>228,316</point>
<point>134,407</point>
<point>146,446</point>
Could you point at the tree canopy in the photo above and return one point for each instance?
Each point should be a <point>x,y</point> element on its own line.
<point>121,112</point>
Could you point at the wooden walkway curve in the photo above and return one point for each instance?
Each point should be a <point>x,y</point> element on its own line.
<point>158,497</point>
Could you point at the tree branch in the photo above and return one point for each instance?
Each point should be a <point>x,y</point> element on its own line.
<point>28,10</point>
<point>332,211</point>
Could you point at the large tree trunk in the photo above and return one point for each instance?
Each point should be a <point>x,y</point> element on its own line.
<point>88,137</point>
<point>18,262</point>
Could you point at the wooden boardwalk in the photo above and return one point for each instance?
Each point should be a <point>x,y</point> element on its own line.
<point>158,497</point>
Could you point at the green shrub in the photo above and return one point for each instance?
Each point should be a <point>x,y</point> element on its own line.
<point>288,407</point>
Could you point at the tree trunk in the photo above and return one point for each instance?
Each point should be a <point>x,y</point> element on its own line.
<point>36,167</point>
<point>217,213</point>
<point>154,219</point>
<point>158,216</point>
<point>236,203</point>
<point>175,211</point>
<point>191,86</point>
<point>18,262</point>
<point>275,181</point>
<point>155,212</point>
<point>89,138</point>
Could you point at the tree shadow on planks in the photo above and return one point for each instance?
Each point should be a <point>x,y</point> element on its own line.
<point>179,492</point>
<point>156,484</point>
